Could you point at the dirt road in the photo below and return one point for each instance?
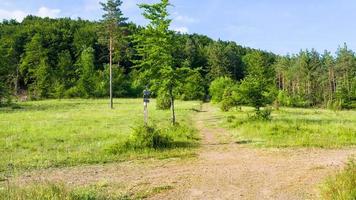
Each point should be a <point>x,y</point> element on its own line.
<point>224,169</point>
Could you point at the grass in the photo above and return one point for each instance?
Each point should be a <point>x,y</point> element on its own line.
<point>342,186</point>
<point>59,191</point>
<point>290,127</point>
<point>56,133</point>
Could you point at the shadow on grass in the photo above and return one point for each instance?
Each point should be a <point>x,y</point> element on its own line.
<point>245,142</point>
<point>198,111</point>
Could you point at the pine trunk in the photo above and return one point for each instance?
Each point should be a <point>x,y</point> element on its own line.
<point>111,96</point>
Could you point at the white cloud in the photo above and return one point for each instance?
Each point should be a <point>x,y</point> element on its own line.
<point>182,29</point>
<point>47,12</point>
<point>16,14</point>
<point>185,19</point>
<point>92,5</point>
<point>129,5</point>
<point>19,15</point>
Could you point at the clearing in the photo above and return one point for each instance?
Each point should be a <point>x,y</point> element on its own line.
<point>224,169</point>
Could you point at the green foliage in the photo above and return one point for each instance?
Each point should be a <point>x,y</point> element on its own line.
<point>217,88</point>
<point>264,114</point>
<point>341,186</point>
<point>143,137</point>
<point>146,138</point>
<point>86,83</point>
<point>231,98</point>
<point>313,79</point>
<point>163,101</point>
<point>4,95</point>
<point>156,48</point>
<point>193,87</point>
<point>257,88</point>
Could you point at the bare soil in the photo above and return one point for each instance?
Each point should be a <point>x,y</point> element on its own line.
<point>224,169</point>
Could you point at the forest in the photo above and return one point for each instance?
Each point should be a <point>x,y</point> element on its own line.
<point>231,122</point>
<point>43,58</point>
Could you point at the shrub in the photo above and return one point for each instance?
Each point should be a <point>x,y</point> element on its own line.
<point>163,102</point>
<point>341,186</point>
<point>218,87</point>
<point>264,114</point>
<point>143,137</point>
<point>193,87</point>
<point>152,138</point>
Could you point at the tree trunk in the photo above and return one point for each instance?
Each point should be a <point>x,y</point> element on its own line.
<point>172,106</point>
<point>16,84</point>
<point>111,96</point>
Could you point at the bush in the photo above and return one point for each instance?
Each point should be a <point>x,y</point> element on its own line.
<point>193,87</point>
<point>163,102</point>
<point>231,98</point>
<point>342,186</point>
<point>264,114</point>
<point>143,137</point>
<point>151,138</point>
<point>218,87</point>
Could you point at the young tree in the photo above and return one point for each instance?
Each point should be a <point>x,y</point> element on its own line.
<point>155,47</point>
<point>113,20</point>
<point>86,83</point>
<point>36,69</point>
<point>258,86</point>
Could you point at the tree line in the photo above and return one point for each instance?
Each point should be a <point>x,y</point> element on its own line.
<point>64,58</point>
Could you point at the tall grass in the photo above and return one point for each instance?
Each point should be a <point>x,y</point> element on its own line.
<point>342,186</point>
<point>290,127</point>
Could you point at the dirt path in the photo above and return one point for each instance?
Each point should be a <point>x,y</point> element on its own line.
<point>224,169</point>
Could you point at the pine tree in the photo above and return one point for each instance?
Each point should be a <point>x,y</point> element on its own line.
<point>113,20</point>
<point>258,87</point>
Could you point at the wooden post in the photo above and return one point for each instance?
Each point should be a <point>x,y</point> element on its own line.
<point>111,98</point>
<point>145,112</point>
<point>172,107</point>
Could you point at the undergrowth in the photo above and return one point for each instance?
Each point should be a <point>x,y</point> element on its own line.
<point>342,186</point>
<point>148,137</point>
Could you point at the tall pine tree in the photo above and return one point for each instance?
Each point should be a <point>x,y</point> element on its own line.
<point>113,21</point>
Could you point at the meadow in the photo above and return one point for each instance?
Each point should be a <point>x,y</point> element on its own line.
<point>56,133</point>
<point>293,127</point>
<point>76,132</point>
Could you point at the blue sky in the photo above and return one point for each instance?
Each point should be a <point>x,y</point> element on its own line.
<point>280,26</point>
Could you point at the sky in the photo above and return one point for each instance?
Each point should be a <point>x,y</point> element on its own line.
<point>280,26</point>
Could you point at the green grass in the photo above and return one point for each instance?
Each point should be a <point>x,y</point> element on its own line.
<point>342,186</point>
<point>55,133</point>
<point>291,127</point>
<point>60,191</point>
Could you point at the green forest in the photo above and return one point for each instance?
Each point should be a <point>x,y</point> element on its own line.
<point>65,58</point>
<point>218,120</point>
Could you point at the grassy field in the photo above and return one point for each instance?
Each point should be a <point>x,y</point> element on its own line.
<point>291,127</point>
<point>56,133</point>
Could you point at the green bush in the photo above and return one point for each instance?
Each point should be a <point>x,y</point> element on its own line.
<point>218,87</point>
<point>151,138</point>
<point>342,186</point>
<point>163,102</point>
<point>193,87</point>
<point>262,114</point>
<point>143,137</point>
